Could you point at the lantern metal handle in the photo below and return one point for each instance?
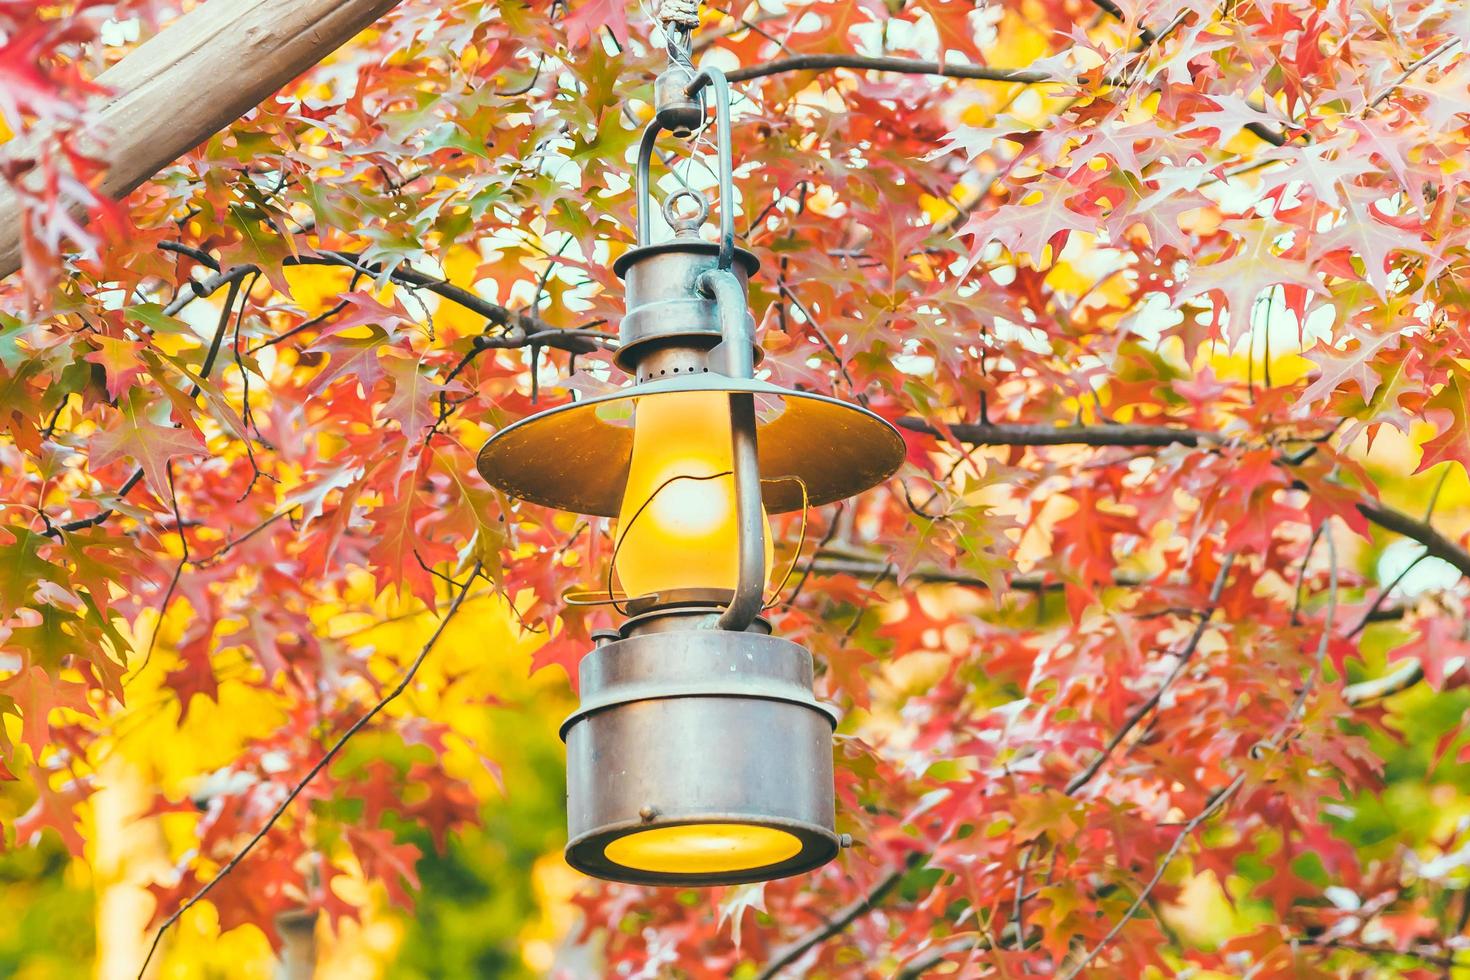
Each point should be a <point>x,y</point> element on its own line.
<point>750,581</point>
<point>713,78</point>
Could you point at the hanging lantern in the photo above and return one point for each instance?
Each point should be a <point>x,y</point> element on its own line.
<point>698,755</point>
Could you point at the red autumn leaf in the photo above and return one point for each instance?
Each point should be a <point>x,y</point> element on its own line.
<point>1451,408</point>
<point>384,859</point>
<point>37,694</point>
<point>1441,648</point>
<point>55,809</point>
<point>119,359</point>
<point>137,431</point>
<point>1085,537</point>
<point>411,403</point>
<point>587,17</point>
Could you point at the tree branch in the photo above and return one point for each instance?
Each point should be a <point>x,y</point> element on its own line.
<point>572,341</point>
<point>311,774</point>
<point>901,66</point>
<point>1098,436</point>
<point>521,330</point>
<point>1409,673</point>
<point>1436,545</point>
<point>169,95</point>
<point>990,434</point>
<point>788,955</point>
<point>193,289</point>
<point>834,562</point>
<point>921,965</point>
<point>983,73</point>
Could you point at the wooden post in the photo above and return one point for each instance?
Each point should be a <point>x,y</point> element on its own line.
<point>194,78</point>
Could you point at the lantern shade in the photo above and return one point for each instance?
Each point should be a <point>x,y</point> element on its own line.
<point>575,457</point>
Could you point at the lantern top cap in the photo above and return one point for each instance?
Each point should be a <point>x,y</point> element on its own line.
<point>575,457</point>
<point>693,246</point>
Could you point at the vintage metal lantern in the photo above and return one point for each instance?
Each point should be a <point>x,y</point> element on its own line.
<point>699,754</point>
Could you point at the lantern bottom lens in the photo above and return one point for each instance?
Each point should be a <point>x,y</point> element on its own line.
<point>703,848</point>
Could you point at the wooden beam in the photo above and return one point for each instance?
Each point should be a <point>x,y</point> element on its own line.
<point>194,78</point>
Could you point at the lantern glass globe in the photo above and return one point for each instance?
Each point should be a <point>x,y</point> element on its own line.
<point>677,526</point>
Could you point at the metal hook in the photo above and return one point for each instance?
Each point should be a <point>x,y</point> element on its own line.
<point>687,225</point>
<point>714,78</point>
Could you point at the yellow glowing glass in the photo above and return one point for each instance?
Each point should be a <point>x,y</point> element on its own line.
<point>703,848</point>
<point>686,536</point>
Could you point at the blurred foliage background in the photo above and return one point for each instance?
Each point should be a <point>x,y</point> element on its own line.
<point>500,902</point>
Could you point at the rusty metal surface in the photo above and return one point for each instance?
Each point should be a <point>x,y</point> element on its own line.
<point>665,304</point>
<point>694,727</point>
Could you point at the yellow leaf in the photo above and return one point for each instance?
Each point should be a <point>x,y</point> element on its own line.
<point>316,288</point>
<point>936,209</point>
<point>461,266</point>
<point>1065,278</point>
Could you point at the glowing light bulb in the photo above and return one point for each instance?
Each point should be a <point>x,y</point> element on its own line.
<point>703,848</point>
<point>677,526</point>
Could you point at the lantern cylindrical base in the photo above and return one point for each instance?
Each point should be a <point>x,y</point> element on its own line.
<point>699,757</point>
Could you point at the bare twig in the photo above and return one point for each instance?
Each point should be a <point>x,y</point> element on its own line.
<point>173,584</point>
<point>1409,72</point>
<point>1221,797</point>
<point>1218,800</point>
<point>304,325</point>
<point>223,549</point>
<point>1185,655</point>
<point>1299,705</point>
<point>1018,905</point>
<point>1301,573</point>
<point>1373,613</point>
<point>708,38</point>
<point>788,955</point>
<point>311,774</point>
<point>878,580</point>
